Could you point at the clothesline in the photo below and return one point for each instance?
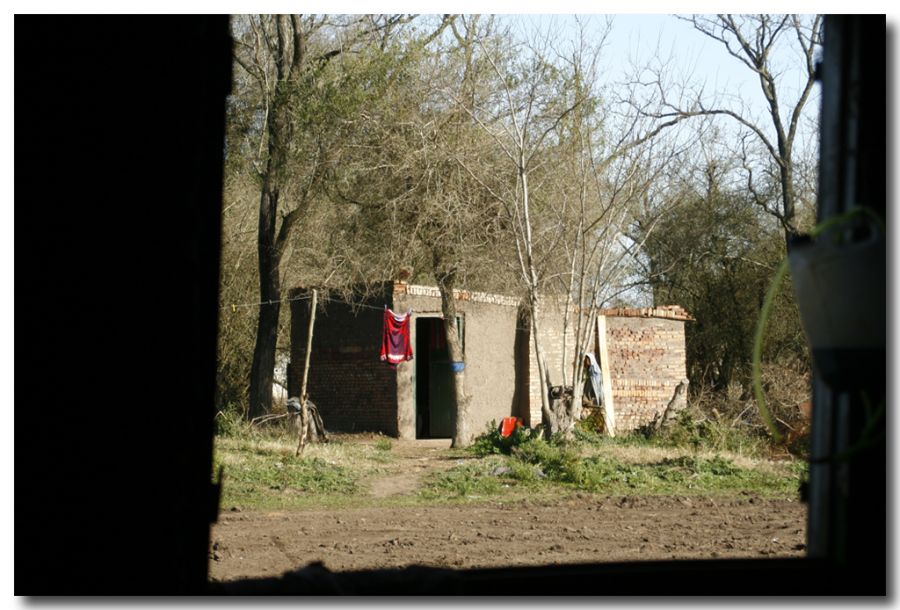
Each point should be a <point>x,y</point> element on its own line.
<point>333,299</point>
<point>234,306</point>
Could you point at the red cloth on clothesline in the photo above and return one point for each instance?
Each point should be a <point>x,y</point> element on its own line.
<point>395,344</point>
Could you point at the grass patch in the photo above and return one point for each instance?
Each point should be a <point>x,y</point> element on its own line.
<point>463,482</point>
<point>686,475</point>
<point>539,468</point>
<point>383,444</point>
<point>262,472</point>
<point>688,434</point>
<point>489,478</point>
<point>307,474</point>
<point>595,464</point>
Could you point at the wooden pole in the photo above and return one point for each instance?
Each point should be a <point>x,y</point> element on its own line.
<point>304,412</point>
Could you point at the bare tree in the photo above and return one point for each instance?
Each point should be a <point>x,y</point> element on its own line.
<point>600,247</point>
<point>274,52</point>
<point>238,288</point>
<point>589,164</point>
<point>472,234</point>
<point>532,101</point>
<point>751,39</point>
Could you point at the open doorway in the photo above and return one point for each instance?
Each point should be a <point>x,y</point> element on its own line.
<point>433,379</point>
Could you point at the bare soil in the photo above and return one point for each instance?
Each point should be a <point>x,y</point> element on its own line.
<point>574,529</point>
<point>415,460</point>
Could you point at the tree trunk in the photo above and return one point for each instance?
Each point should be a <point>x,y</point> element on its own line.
<point>787,199</point>
<point>270,248</point>
<point>548,417</point>
<point>557,418</point>
<point>262,371</point>
<point>585,330</point>
<point>531,277</point>
<point>461,434</point>
<point>564,411</point>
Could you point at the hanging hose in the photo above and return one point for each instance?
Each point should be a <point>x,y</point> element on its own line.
<point>768,302</point>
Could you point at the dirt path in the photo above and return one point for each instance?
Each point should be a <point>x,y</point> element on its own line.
<point>415,460</point>
<point>582,528</point>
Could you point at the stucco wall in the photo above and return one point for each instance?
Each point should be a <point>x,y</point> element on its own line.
<point>490,373</point>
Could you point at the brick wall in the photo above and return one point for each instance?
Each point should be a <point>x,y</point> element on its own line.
<point>550,324</point>
<point>646,362</point>
<point>352,388</point>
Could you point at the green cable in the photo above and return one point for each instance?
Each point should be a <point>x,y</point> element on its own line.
<point>767,308</point>
<point>757,348</point>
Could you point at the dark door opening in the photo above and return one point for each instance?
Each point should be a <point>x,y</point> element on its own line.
<point>433,380</point>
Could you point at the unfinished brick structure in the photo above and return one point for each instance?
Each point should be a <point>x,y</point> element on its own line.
<point>644,353</point>
<point>356,391</point>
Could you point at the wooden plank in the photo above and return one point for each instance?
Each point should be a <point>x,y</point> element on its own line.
<point>609,411</point>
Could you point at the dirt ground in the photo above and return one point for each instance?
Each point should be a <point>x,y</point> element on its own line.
<point>574,529</point>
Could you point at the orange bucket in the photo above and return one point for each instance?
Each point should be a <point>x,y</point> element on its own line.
<point>508,425</point>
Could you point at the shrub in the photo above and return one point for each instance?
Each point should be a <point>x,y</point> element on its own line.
<point>558,462</point>
<point>492,442</point>
<point>586,433</point>
<point>708,434</point>
<point>526,473</point>
<point>595,423</point>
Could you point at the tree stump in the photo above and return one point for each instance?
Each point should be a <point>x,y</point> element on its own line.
<point>315,427</point>
<point>676,405</point>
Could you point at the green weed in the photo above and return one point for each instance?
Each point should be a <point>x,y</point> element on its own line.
<point>383,444</point>
<point>681,475</point>
<point>713,436</point>
<point>470,480</point>
<point>491,442</point>
<point>266,470</point>
<point>230,423</point>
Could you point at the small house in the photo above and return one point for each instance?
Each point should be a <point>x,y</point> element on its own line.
<point>641,354</point>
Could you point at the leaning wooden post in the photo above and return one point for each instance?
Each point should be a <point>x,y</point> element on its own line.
<point>304,412</point>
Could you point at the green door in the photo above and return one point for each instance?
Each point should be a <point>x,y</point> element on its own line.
<point>433,379</point>
<point>440,399</point>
